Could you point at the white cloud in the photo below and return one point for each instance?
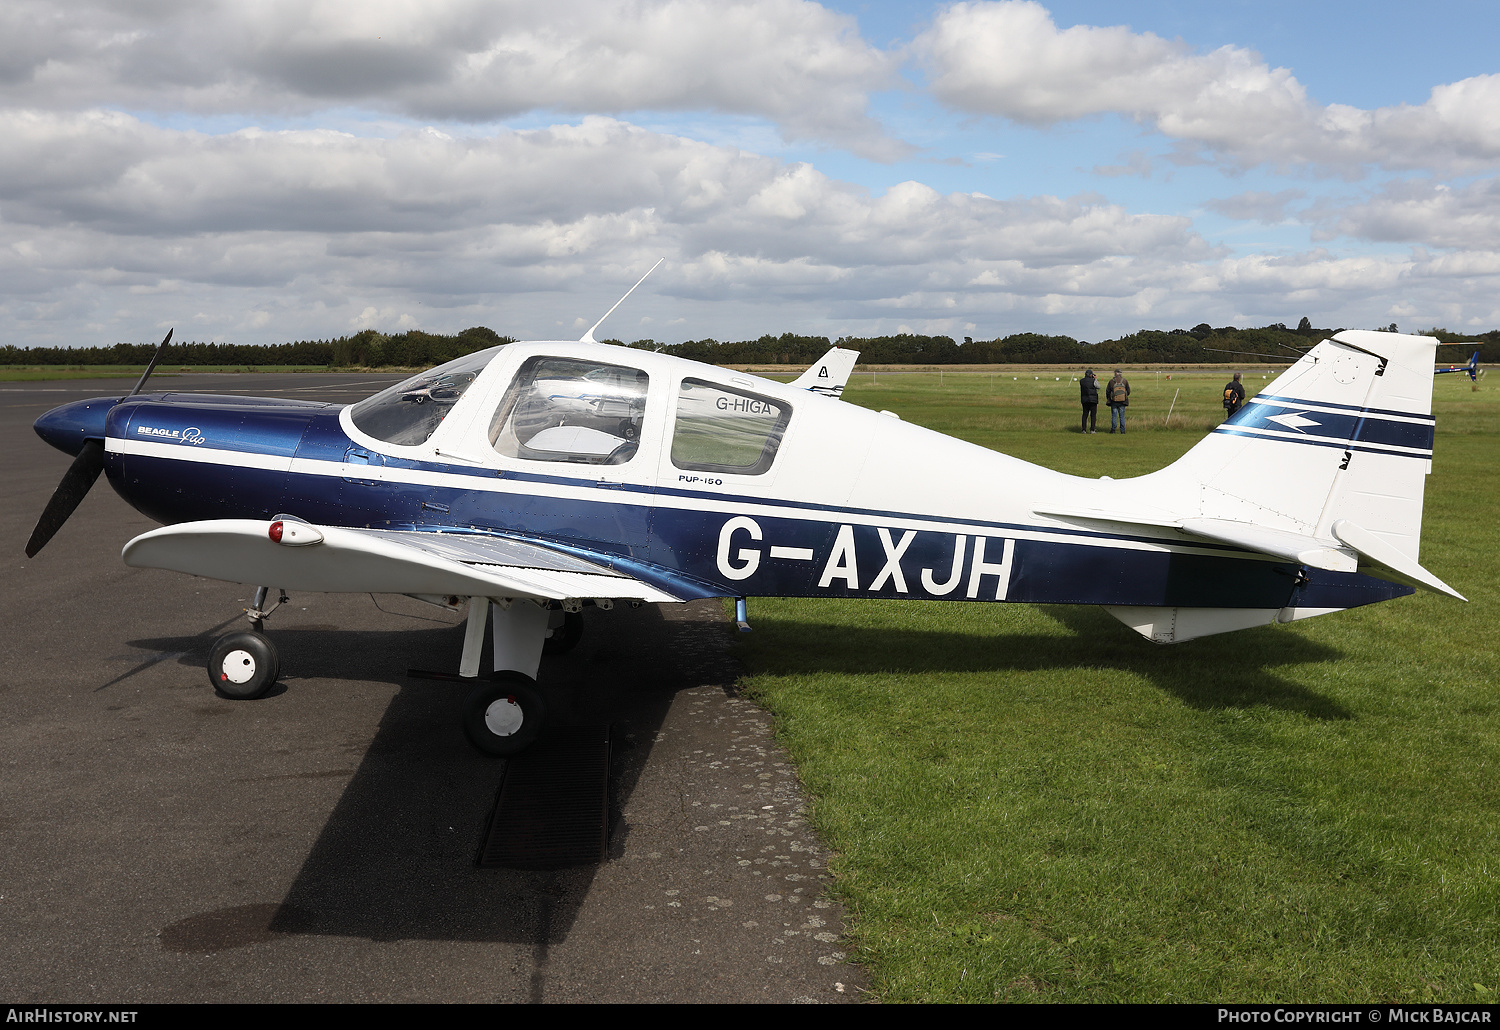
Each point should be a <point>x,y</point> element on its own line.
<point>795,63</point>
<point>117,221</point>
<point>110,221</point>
<point>1010,59</point>
<point>1257,205</point>
<point>336,230</point>
<point>1418,211</point>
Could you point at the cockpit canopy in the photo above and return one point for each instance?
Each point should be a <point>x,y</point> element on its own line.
<point>578,409</point>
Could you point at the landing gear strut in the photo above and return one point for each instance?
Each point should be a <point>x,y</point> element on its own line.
<point>258,613</point>
<point>564,630</point>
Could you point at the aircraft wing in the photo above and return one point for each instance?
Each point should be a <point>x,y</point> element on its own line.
<point>828,374</point>
<point>336,560</point>
<point>1356,549</point>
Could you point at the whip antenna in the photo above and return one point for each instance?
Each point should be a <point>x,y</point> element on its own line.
<point>588,337</point>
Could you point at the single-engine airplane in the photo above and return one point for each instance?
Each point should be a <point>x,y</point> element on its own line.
<point>536,478</point>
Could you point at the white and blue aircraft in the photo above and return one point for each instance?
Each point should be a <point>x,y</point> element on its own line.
<point>533,479</point>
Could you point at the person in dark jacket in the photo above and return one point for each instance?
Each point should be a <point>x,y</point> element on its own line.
<point>1117,396</point>
<point>1234,396</point>
<point>1088,396</point>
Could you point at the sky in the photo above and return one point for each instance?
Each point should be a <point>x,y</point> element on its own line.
<point>257,172</point>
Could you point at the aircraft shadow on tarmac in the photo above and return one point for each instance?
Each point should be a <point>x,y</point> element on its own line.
<point>396,858</point>
<point>1196,672</point>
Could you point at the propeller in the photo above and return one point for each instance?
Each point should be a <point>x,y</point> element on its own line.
<point>151,365</point>
<point>81,475</point>
<point>68,495</point>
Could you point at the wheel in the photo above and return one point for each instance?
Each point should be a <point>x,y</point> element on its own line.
<point>243,666</point>
<point>565,637</point>
<point>505,716</point>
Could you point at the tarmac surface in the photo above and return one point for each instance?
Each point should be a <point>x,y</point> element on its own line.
<point>165,845</point>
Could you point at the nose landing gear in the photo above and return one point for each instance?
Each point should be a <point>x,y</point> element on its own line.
<point>243,666</point>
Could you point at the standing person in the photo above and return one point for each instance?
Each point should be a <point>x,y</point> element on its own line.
<point>1117,396</point>
<point>1088,395</point>
<point>1234,396</point>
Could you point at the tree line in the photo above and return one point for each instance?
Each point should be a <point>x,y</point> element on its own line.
<point>367,349</point>
<point>1202,344</point>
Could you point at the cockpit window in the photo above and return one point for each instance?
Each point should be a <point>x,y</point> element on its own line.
<point>409,413</point>
<point>564,409</point>
<point>724,430</point>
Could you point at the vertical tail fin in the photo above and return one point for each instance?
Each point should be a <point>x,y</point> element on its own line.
<point>829,373</point>
<point>1336,449</point>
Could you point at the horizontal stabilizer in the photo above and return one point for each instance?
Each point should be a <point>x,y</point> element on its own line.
<point>1304,550</point>
<point>1386,562</point>
<point>373,561</point>
<point>1277,543</point>
<point>1362,551</point>
<point>1158,519</point>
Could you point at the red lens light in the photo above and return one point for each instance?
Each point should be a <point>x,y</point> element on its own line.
<point>276,532</point>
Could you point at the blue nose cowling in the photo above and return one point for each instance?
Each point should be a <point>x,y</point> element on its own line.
<point>68,426</point>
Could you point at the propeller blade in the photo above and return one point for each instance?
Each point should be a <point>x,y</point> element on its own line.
<point>151,367</point>
<point>68,495</point>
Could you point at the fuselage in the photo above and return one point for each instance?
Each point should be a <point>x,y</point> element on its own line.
<point>706,481</point>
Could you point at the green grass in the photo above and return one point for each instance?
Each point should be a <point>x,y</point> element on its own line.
<point>1033,803</point>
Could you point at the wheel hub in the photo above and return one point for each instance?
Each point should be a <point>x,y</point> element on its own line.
<point>238,667</point>
<point>503,717</point>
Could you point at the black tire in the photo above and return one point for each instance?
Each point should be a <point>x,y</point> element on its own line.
<point>565,637</point>
<point>505,716</point>
<point>243,666</point>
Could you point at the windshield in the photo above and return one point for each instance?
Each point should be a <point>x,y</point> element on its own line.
<point>409,413</point>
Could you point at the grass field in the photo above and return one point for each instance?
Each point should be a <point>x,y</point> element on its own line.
<point>1032,803</point>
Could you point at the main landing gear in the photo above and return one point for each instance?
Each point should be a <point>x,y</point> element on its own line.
<point>505,714</point>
